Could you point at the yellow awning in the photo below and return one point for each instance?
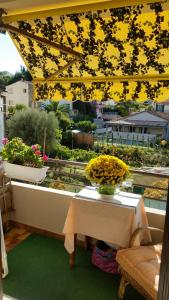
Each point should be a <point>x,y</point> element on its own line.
<point>88,50</point>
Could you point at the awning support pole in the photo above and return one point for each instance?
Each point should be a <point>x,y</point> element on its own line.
<point>64,49</point>
<point>62,68</point>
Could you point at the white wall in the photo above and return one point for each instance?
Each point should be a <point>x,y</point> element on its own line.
<point>166,108</point>
<point>47,209</point>
<point>40,207</point>
<point>20,92</point>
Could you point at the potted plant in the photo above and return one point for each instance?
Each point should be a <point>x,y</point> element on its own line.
<point>107,172</point>
<point>23,162</point>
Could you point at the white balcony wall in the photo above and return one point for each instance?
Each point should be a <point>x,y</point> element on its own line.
<point>40,207</point>
<point>46,209</point>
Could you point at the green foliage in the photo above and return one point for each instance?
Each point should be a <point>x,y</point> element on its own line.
<point>82,155</point>
<point>23,73</point>
<point>122,110</point>
<point>85,108</point>
<point>17,152</point>
<point>106,189</point>
<point>64,121</point>
<point>7,78</point>
<point>86,126</point>
<point>12,109</point>
<point>61,113</point>
<point>83,117</point>
<point>123,107</point>
<point>65,108</point>
<point>4,79</point>
<point>64,152</point>
<point>31,124</point>
<point>137,156</point>
<point>108,108</point>
<point>20,106</point>
<point>50,105</point>
<point>150,108</point>
<point>58,134</point>
<point>67,138</point>
<point>132,156</point>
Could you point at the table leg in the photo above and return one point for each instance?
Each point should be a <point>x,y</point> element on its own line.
<point>87,242</point>
<point>73,254</point>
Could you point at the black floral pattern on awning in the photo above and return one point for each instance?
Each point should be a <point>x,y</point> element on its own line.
<point>126,41</point>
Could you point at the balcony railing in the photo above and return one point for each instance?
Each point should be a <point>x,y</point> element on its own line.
<point>150,182</point>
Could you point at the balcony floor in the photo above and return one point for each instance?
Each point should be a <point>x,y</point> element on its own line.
<point>39,270</point>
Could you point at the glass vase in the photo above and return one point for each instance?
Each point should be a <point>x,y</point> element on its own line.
<point>106,189</point>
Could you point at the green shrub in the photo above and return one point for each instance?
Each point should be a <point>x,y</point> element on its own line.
<point>82,155</point>
<point>67,137</point>
<point>86,126</point>
<point>17,152</point>
<point>31,124</point>
<point>137,156</point>
<point>132,156</point>
<point>63,152</point>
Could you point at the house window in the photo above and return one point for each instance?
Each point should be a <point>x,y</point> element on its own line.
<point>132,129</point>
<point>160,107</point>
<point>24,91</point>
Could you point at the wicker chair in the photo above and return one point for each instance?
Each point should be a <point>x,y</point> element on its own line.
<point>139,266</point>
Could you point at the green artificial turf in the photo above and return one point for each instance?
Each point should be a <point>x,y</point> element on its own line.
<point>39,270</point>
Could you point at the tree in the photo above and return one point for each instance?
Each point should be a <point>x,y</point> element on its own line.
<point>64,121</point>
<point>61,113</point>
<point>86,126</point>
<point>86,110</point>
<point>4,79</point>
<point>23,73</point>
<point>65,108</point>
<point>31,125</point>
<point>49,105</point>
<point>12,109</point>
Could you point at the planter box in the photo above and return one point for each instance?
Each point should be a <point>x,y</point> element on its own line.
<point>30,174</point>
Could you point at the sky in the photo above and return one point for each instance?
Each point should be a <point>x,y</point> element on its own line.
<point>10,59</point>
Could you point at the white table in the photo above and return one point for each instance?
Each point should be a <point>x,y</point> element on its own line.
<point>111,221</point>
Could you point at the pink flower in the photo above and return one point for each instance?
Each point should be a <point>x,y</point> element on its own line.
<point>5,141</point>
<point>38,152</point>
<point>44,157</point>
<point>34,147</point>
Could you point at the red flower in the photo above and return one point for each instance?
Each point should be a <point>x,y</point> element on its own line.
<point>38,152</point>
<point>44,157</point>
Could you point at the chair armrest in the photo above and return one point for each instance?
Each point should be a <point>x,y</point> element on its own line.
<point>138,231</point>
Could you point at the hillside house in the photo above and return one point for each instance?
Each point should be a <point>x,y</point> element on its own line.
<point>20,92</point>
<point>142,126</point>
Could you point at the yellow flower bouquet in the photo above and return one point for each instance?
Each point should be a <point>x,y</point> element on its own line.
<point>106,171</point>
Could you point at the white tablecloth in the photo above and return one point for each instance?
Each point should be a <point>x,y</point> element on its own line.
<point>101,219</point>
<point>3,250</point>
